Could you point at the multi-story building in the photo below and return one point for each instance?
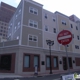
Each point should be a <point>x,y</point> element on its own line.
<point>6,12</point>
<point>29,29</point>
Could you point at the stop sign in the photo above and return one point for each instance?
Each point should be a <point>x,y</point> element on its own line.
<point>64,37</point>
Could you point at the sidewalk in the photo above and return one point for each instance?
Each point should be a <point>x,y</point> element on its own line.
<point>10,76</point>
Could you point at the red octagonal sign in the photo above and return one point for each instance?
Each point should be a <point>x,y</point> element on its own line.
<point>64,37</point>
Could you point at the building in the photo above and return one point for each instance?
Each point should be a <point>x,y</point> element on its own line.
<point>26,47</point>
<point>6,13</point>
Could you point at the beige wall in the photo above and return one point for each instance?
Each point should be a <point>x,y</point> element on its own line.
<point>31,31</point>
<point>49,35</point>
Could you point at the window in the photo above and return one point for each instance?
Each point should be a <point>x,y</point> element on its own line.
<point>54,30</point>
<point>45,16</point>
<point>36,61</point>
<point>20,11</point>
<point>16,16</point>
<point>48,62</point>
<point>71,26</point>
<point>54,19</point>
<point>46,28</point>
<point>18,24</point>
<point>33,23</point>
<point>76,28</point>
<point>27,61</point>
<point>33,10</point>
<point>15,28</point>
<point>32,38</point>
<point>78,37</point>
<point>17,37</point>
<point>63,22</point>
<point>76,46</point>
<point>55,62</point>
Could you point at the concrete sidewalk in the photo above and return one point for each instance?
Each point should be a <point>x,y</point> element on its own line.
<point>10,76</point>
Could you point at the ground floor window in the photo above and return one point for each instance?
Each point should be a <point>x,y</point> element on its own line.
<point>77,61</point>
<point>5,62</point>
<point>36,61</point>
<point>27,61</point>
<point>55,62</point>
<point>48,62</point>
<point>30,61</point>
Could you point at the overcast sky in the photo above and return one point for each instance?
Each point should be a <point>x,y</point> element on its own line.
<point>67,7</point>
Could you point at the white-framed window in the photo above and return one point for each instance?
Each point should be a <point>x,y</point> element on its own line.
<point>78,37</point>
<point>63,22</point>
<point>71,25</point>
<point>15,28</point>
<point>76,47</point>
<point>33,38</point>
<point>46,16</point>
<point>33,10</point>
<point>33,23</point>
<point>46,28</point>
<point>19,11</point>
<point>76,28</point>
<point>16,16</point>
<point>54,19</point>
<point>54,29</point>
<point>18,24</point>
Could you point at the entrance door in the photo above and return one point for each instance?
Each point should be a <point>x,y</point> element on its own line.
<point>65,66</point>
<point>64,63</point>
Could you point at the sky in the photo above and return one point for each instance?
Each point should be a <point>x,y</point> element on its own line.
<point>67,7</point>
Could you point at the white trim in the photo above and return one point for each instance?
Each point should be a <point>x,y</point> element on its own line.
<point>32,37</point>
<point>32,27</point>
<point>42,29</point>
<point>33,10</point>
<point>50,32</point>
<point>35,3</point>
<point>46,27</point>
<point>33,22</point>
<point>21,23</point>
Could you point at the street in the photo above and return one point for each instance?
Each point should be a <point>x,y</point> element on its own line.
<point>50,77</point>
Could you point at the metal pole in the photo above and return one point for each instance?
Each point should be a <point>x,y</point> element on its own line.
<point>67,59</point>
<point>50,59</point>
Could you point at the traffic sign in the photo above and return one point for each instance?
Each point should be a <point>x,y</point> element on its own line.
<point>64,37</point>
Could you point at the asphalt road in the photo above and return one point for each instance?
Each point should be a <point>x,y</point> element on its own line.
<point>49,77</point>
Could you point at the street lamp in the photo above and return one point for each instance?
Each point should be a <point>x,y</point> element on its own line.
<point>50,43</point>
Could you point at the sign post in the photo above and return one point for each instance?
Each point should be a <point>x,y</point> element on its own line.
<point>64,38</point>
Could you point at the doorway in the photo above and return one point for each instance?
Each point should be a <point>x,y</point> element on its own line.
<point>65,66</point>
